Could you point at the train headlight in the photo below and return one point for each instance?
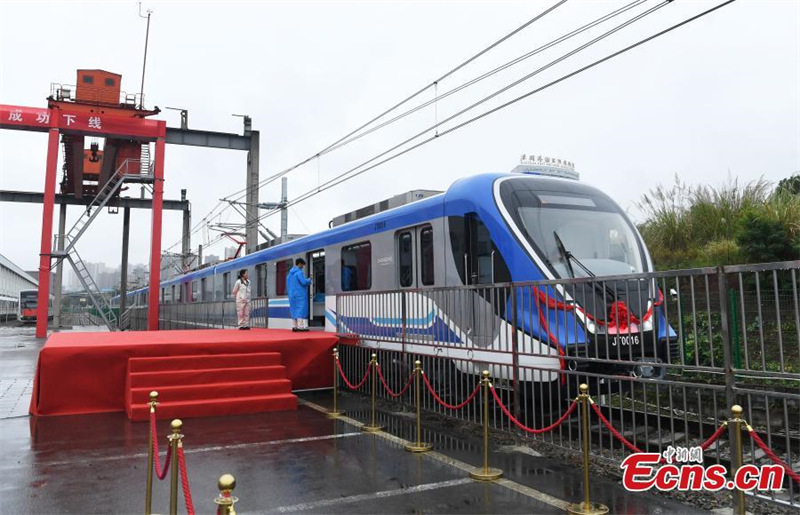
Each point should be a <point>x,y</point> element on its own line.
<point>648,324</point>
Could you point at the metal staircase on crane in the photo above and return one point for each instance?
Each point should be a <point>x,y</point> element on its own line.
<point>90,287</point>
<point>130,171</point>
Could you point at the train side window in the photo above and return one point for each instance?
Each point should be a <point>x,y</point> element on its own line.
<point>357,267</point>
<point>226,285</point>
<point>261,280</point>
<point>405,259</point>
<point>163,295</point>
<point>179,296</point>
<point>281,271</point>
<point>426,256</point>
<point>195,292</point>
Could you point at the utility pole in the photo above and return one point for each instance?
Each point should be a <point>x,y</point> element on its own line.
<point>284,208</point>
<point>186,240</point>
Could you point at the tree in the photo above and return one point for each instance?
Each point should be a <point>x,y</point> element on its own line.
<point>763,240</point>
<point>789,185</point>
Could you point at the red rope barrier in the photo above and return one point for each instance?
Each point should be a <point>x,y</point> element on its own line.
<point>187,493</point>
<point>705,445</point>
<point>527,429</point>
<point>775,459</point>
<point>443,403</point>
<point>348,383</point>
<point>161,474</point>
<point>616,433</point>
<point>389,390</point>
<point>714,437</point>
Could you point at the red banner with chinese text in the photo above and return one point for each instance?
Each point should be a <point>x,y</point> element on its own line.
<point>43,119</point>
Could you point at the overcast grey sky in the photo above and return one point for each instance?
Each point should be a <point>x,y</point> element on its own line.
<point>720,96</point>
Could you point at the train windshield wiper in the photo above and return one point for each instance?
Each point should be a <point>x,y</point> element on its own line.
<point>568,258</point>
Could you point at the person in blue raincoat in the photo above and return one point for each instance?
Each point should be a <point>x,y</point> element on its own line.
<point>297,288</point>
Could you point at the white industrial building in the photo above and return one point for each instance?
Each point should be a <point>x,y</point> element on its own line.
<point>12,280</point>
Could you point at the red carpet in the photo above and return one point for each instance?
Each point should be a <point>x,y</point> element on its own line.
<point>82,373</point>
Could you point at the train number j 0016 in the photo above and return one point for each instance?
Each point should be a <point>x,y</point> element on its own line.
<point>628,340</point>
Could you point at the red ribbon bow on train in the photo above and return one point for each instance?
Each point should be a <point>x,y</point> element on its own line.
<point>620,317</point>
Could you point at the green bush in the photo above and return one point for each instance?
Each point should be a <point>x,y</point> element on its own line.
<point>691,226</point>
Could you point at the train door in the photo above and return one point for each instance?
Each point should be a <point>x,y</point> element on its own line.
<point>316,271</point>
<point>479,270</point>
<point>406,278</point>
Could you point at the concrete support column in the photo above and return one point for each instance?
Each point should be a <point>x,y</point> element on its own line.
<point>186,238</point>
<point>46,248</point>
<point>251,209</point>
<point>123,273</point>
<point>58,286</point>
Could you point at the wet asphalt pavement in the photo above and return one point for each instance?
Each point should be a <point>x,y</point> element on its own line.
<point>298,461</point>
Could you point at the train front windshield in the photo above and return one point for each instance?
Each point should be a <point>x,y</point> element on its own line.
<point>578,234</point>
<point>28,299</point>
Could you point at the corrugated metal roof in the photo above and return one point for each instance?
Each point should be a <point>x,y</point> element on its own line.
<point>5,262</point>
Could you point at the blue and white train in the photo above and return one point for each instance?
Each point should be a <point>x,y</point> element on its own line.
<point>486,229</point>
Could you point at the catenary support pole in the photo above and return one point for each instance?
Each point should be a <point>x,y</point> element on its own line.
<point>123,271</point>
<point>186,235</point>
<point>284,208</point>
<point>251,209</point>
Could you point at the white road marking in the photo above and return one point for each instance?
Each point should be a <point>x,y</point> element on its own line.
<point>506,483</point>
<point>190,450</point>
<point>326,503</point>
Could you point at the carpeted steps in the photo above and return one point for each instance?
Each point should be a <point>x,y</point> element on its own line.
<point>208,385</point>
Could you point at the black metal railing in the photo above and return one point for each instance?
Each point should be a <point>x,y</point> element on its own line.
<point>666,366</point>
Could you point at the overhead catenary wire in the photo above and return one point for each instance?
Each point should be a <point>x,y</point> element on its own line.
<point>552,63</point>
<point>353,172</point>
<point>489,97</point>
<point>345,177</point>
<point>492,72</point>
<point>338,143</point>
<point>435,126</point>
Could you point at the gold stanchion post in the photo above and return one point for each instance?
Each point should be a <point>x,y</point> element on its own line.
<point>419,446</point>
<point>174,442</point>
<point>485,473</point>
<point>148,501</point>
<point>587,507</point>
<point>736,412</point>
<point>225,501</point>
<point>335,412</point>
<point>373,426</point>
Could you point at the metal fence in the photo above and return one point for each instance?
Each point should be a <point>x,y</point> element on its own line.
<point>200,315</point>
<point>665,366</point>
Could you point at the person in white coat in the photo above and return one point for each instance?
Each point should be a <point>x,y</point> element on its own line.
<point>241,292</point>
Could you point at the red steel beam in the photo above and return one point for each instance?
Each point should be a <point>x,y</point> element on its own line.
<point>155,236</point>
<point>47,234</point>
